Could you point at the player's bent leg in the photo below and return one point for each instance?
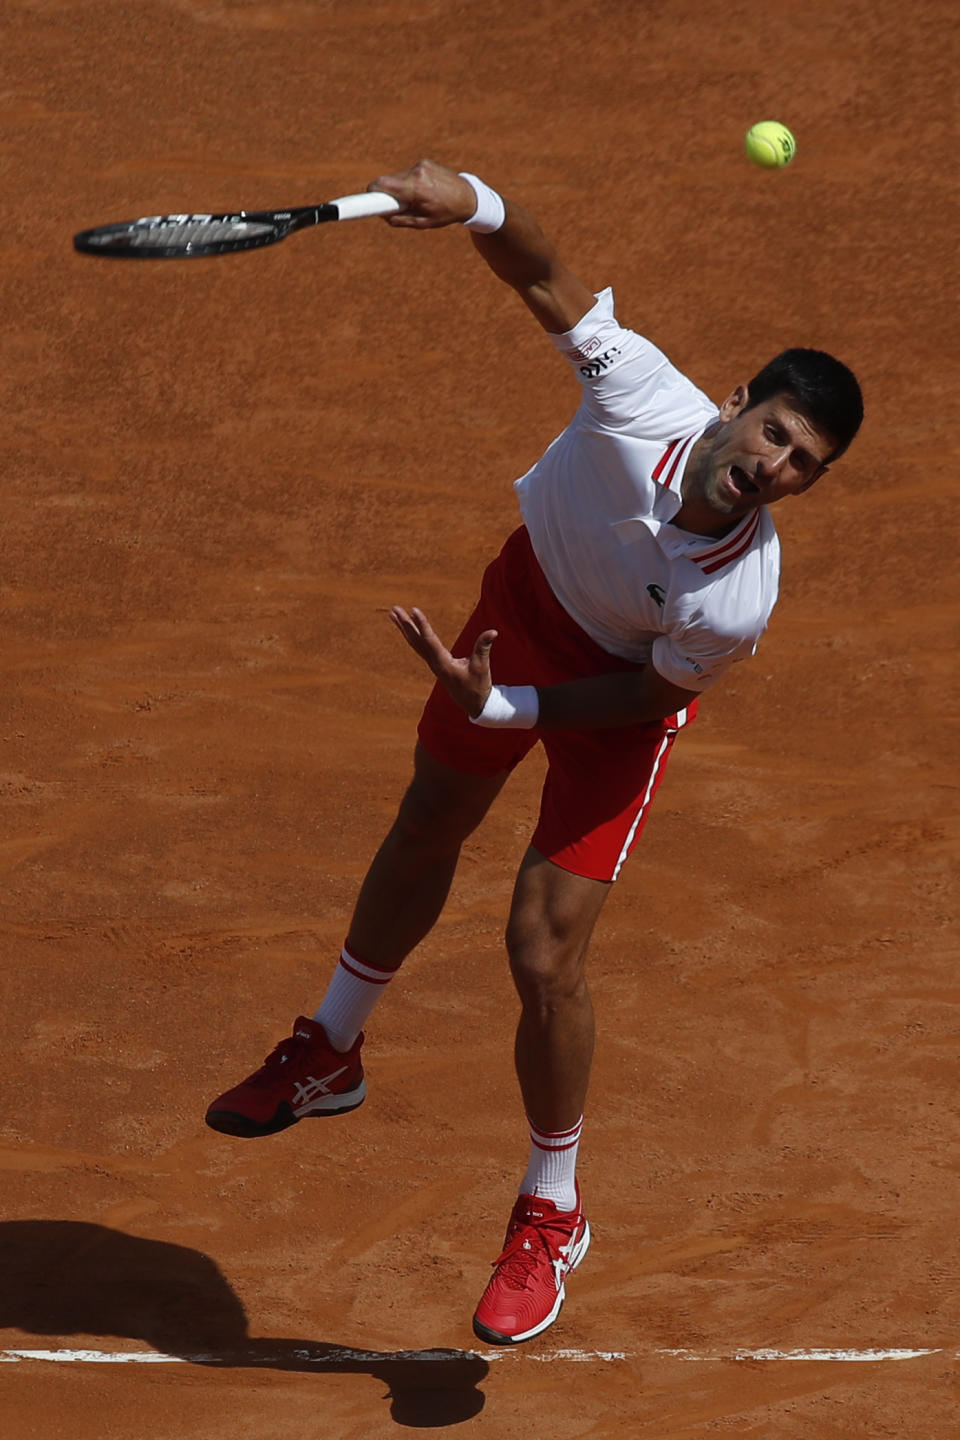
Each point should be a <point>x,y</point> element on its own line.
<point>409,879</point>
<point>317,1070</point>
<point>551,921</point>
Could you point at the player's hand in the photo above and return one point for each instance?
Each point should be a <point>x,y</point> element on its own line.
<point>467,680</point>
<point>431,196</point>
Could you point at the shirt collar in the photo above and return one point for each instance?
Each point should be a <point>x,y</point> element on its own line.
<point>707,551</point>
<point>668,471</point>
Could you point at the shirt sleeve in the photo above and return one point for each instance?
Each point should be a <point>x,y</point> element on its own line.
<point>696,657</point>
<point>627,383</point>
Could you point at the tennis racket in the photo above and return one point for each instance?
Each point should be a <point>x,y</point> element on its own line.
<point>180,237</point>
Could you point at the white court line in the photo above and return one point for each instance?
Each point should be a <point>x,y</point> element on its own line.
<point>330,1357</point>
<point>94,1357</point>
<point>336,1357</point>
<point>857,1356</point>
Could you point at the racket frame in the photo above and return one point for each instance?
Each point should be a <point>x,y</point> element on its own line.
<point>113,241</point>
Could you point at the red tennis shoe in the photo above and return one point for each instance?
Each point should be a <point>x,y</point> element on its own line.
<point>303,1076</point>
<point>526,1293</point>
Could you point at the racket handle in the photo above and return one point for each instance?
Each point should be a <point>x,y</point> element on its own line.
<point>373,202</point>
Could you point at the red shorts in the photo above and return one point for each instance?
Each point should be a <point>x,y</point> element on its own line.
<point>599,783</point>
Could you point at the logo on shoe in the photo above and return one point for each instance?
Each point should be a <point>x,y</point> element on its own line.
<point>562,1263</point>
<point>316,1087</point>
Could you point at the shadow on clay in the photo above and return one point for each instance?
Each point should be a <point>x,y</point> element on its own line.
<point>69,1278</point>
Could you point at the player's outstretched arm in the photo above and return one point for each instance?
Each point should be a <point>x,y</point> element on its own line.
<point>598,702</point>
<point>518,253</point>
<point>604,702</point>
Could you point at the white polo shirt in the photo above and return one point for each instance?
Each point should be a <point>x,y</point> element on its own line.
<point>599,503</point>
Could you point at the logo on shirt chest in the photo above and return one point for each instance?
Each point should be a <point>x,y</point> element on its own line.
<point>657,593</point>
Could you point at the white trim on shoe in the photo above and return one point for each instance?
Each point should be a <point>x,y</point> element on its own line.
<point>577,1253</point>
<point>318,1100</point>
<point>578,1249</point>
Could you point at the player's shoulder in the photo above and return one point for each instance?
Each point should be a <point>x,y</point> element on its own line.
<point>599,340</point>
<point>629,385</point>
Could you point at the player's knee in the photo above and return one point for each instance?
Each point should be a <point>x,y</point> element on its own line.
<point>547,959</point>
<point>423,819</point>
<point>435,816</point>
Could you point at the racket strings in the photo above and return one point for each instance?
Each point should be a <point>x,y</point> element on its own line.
<point>184,231</point>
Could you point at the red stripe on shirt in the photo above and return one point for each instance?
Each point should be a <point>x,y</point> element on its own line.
<point>732,547</point>
<point>673,455</point>
<point>730,542</point>
<point>674,468</point>
<point>664,458</point>
<point>728,559</point>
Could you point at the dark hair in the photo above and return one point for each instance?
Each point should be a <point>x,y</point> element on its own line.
<point>822,387</point>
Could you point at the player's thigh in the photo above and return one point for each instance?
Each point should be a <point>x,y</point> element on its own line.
<point>444,804</point>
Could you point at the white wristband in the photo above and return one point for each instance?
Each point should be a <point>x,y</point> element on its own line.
<point>490,212</point>
<point>509,707</point>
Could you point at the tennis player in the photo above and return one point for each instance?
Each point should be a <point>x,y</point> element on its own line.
<point>646,565</point>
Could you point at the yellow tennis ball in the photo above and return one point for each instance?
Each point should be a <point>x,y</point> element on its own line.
<point>770,144</point>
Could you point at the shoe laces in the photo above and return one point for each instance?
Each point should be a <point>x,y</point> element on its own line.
<point>525,1251</point>
<point>292,1048</point>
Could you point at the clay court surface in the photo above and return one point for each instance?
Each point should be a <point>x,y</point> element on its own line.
<point>217,475</point>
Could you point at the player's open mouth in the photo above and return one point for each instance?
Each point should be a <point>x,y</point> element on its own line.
<point>740,481</point>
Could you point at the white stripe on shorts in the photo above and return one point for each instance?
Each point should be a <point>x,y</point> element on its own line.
<point>654,772</point>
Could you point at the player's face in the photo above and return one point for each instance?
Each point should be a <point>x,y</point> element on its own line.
<point>762,454</point>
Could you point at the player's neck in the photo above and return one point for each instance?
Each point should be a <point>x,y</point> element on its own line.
<point>700,519</point>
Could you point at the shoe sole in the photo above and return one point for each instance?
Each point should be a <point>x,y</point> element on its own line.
<point>496,1337</point>
<point>231,1122</point>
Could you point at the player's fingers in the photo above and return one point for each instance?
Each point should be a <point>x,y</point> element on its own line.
<point>431,196</point>
<point>424,626</point>
<point>406,626</point>
<point>412,222</point>
<point>399,185</point>
<point>481,649</point>
<point>420,636</point>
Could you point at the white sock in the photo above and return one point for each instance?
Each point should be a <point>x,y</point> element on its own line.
<point>552,1167</point>
<point>351,995</point>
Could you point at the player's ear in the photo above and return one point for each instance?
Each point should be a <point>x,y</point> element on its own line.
<point>735,402</point>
